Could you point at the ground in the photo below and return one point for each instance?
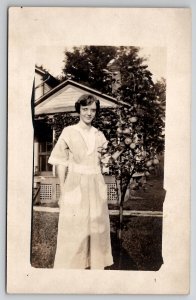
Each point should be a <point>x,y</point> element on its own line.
<point>141,247</point>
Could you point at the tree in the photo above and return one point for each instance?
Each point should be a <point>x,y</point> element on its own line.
<point>86,65</point>
<point>135,129</point>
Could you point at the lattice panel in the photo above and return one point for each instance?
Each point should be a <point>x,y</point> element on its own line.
<point>46,192</point>
<point>57,191</point>
<point>112,194</point>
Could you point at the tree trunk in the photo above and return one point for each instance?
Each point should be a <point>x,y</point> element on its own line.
<point>123,188</point>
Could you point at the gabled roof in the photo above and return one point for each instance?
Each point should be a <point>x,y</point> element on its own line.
<point>63,97</point>
<point>47,77</point>
<point>40,71</point>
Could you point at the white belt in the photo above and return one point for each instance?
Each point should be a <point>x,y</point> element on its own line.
<point>83,169</point>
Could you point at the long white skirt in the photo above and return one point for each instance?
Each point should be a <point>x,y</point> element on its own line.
<point>83,239</point>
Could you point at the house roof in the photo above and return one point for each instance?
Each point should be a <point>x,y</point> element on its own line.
<point>63,97</point>
<point>47,77</point>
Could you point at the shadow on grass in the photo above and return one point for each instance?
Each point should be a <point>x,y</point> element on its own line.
<point>122,259</point>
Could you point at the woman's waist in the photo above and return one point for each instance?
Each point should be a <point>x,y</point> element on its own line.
<point>83,168</point>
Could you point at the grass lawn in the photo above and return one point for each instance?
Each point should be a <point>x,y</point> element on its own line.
<point>150,198</point>
<point>140,250</point>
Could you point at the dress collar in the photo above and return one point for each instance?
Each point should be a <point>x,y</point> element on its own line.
<point>88,137</point>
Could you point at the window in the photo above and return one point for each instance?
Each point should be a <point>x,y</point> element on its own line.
<point>43,138</point>
<point>45,149</point>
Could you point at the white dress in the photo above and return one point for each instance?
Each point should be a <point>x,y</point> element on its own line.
<point>84,229</point>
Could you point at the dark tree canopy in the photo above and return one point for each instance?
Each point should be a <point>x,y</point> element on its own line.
<point>86,65</point>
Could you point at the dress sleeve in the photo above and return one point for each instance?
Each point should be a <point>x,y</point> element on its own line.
<point>60,152</point>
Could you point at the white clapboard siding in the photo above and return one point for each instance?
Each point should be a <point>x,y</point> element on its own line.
<point>64,100</point>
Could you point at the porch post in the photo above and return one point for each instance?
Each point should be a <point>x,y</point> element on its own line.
<point>36,155</point>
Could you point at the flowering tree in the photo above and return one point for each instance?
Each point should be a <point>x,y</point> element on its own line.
<point>129,137</point>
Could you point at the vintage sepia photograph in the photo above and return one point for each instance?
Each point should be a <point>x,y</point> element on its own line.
<point>98,184</point>
<point>99,132</point>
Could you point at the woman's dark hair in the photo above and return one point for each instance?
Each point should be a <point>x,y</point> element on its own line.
<point>85,100</point>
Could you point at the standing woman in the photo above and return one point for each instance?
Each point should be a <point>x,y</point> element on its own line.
<point>83,239</point>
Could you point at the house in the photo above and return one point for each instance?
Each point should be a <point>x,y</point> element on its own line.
<point>52,97</point>
<point>44,82</point>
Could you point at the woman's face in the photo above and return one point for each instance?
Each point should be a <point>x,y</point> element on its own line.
<point>87,113</point>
